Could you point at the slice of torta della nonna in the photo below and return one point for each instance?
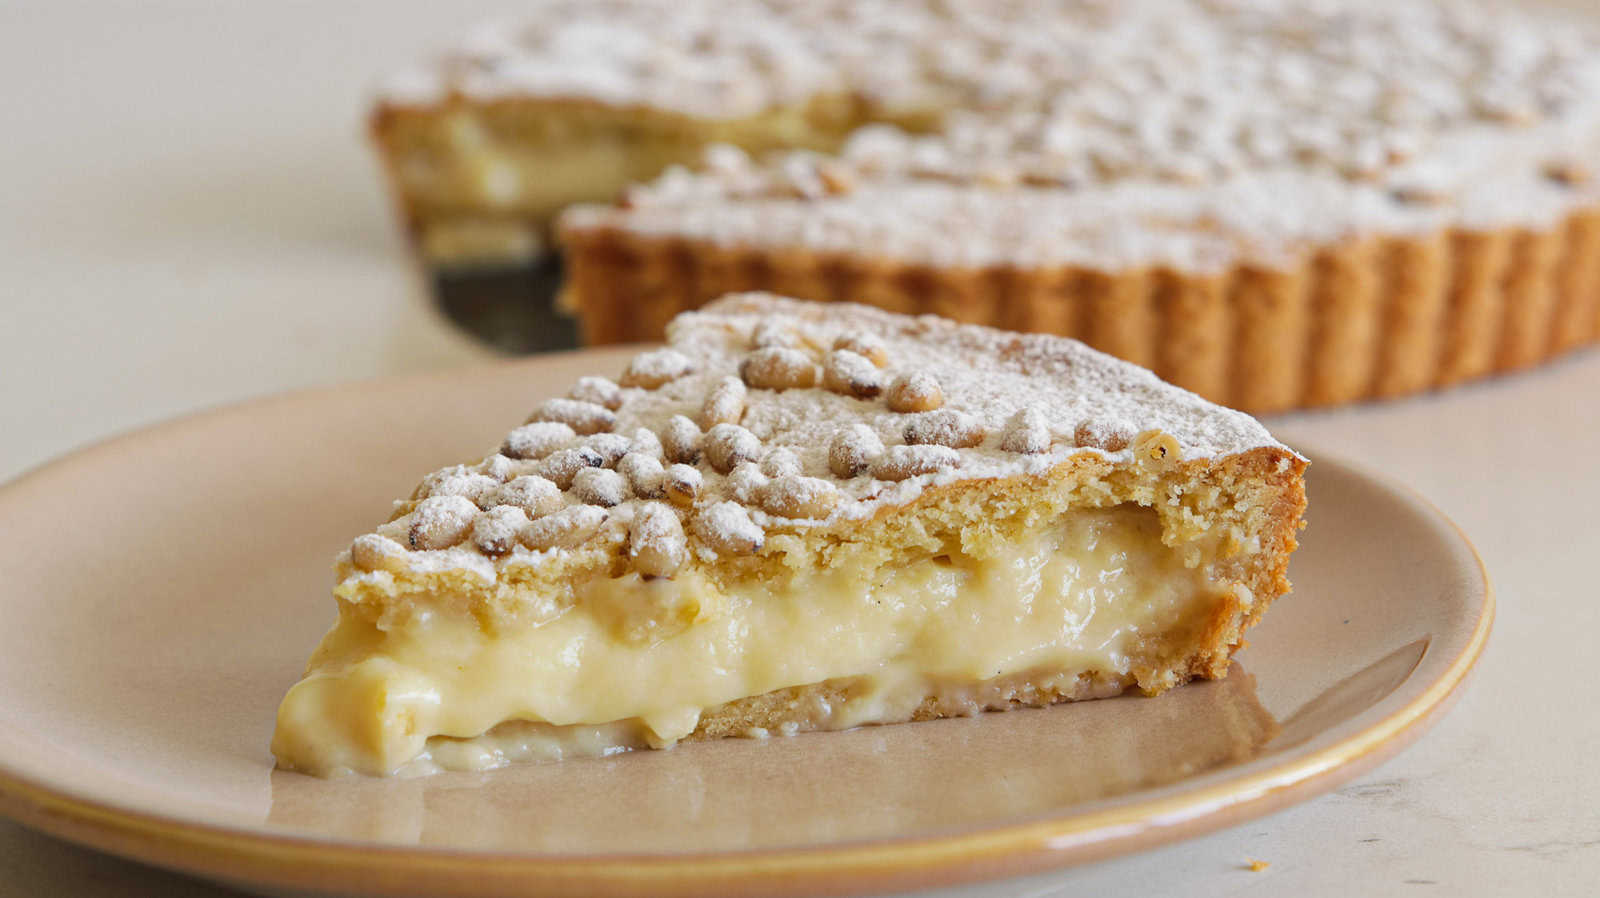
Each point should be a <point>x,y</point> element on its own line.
<point>795,517</point>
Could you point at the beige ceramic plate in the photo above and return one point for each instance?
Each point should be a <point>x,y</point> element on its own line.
<point>160,591</point>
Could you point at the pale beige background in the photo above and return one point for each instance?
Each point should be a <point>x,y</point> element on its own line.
<point>189,217</point>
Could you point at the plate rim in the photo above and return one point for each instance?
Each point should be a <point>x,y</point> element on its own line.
<point>248,857</point>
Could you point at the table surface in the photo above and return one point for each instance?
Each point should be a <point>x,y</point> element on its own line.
<point>192,218</point>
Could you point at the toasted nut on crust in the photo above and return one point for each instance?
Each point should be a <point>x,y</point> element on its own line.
<point>657,367</point>
<point>902,462</point>
<point>727,527</point>
<point>497,530</point>
<point>372,552</point>
<point>1156,449</point>
<point>1026,432</point>
<point>915,392</point>
<point>560,467</point>
<point>945,427</point>
<point>599,390</point>
<point>645,476</point>
<point>1569,172</point>
<point>1419,195</point>
<point>537,440</point>
<point>536,496</point>
<point>582,417</point>
<point>440,522</point>
<point>497,466</point>
<point>746,481</point>
<point>778,368</point>
<point>727,445</point>
<point>852,374</point>
<point>780,462</point>
<point>609,446</point>
<point>681,440</point>
<point>645,442</point>
<point>799,497</point>
<point>682,484</point>
<point>873,348</point>
<point>599,486</point>
<point>771,332</point>
<point>724,403</point>
<point>836,180</point>
<point>853,450</point>
<point>566,529</point>
<point>477,487</point>
<point>656,541</point>
<point>1092,435</point>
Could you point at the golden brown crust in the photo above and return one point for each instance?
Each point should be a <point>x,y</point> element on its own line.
<point>1577,312</point>
<point>1368,318</point>
<point>796,709</point>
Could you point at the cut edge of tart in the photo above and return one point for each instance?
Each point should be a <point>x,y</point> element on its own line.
<point>795,517</point>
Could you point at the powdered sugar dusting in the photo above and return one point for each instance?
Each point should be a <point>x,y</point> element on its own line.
<point>652,369</point>
<point>1194,133</point>
<point>1026,431</point>
<point>945,427</point>
<point>727,527</point>
<point>1013,405</point>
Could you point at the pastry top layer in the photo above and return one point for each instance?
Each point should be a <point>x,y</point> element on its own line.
<point>1272,217</point>
<point>1189,132</point>
<point>1060,72</point>
<point>991,375</point>
<point>767,414</point>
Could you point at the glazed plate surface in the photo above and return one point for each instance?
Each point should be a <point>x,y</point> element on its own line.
<point>163,589</point>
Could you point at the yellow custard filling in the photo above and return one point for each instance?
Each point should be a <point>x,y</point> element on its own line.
<point>485,181</point>
<point>635,662</point>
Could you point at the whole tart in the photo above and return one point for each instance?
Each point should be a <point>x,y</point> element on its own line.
<point>793,517</point>
<point>1274,203</point>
